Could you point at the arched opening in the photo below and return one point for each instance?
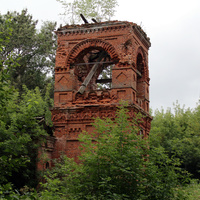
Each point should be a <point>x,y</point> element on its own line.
<point>89,44</point>
<point>94,65</point>
<point>47,165</point>
<point>140,78</point>
<point>140,65</point>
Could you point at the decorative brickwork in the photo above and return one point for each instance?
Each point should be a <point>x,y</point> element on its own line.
<point>84,55</point>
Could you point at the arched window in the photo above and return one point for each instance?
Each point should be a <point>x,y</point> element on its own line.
<point>47,165</point>
<point>84,62</point>
<point>140,77</point>
<point>140,66</point>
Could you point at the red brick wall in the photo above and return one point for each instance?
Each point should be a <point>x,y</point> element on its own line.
<point>73,113</point>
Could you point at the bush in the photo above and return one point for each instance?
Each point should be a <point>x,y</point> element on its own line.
<point>116,163</point>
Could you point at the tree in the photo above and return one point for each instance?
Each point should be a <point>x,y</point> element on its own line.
<point>100,10</point>
<point>34,50</point>
<point>21,135</point>
<point>20,131</point>
<point>116,163</point>
<point>178,133</point>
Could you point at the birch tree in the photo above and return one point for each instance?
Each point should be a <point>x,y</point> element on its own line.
<point>98,9</point>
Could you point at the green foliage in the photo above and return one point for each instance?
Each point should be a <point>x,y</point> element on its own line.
<point>8,193</point>
<point>178,133</point>
<point>21,133</point>
<point>62,180</point>
<point>33,50</point>
<point>192,190</point>
<point>116,163</point>
<point>100,10</point>
<point>21,130</point>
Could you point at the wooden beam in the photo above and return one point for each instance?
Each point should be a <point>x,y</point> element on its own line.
<point>83,18</point>
<point>138,73</point>
<point>91,73</point>
<point>92,63</point>
<point>94,20</point>
<point>108,80</point>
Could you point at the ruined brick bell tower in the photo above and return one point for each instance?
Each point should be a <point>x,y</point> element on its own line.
<point>97,65</point>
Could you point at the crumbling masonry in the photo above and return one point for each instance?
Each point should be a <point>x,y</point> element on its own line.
<point>97,65</point>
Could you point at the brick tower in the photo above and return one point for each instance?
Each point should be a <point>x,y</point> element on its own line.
<point>97,65</point>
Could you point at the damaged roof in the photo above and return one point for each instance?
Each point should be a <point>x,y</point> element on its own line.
<point>102,26</point>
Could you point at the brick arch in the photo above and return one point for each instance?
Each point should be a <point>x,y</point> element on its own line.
<point>96,43</point>
<point>140,51</point>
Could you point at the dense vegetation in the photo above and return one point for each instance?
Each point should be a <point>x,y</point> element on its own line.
<point>119,165</point>
<point>24,101</point>
<point>178,132</point>
<point>33,50</point>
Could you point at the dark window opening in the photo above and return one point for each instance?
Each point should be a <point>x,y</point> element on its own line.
<point>140,66</point>
<point>140,78</point>
<point>47,165</point>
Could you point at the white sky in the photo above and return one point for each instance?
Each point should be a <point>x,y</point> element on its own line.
<point>174,29</point>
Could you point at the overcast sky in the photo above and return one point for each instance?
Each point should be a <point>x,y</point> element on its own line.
<point>174,29</point>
